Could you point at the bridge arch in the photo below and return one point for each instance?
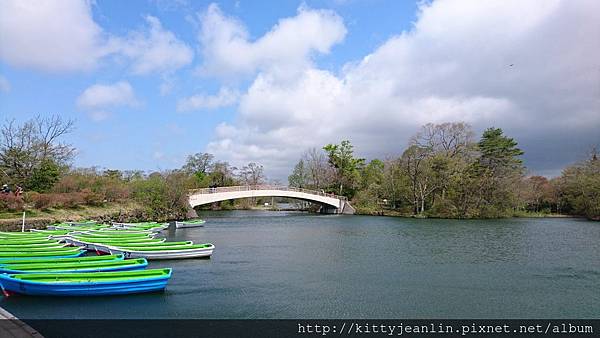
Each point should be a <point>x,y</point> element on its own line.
<point>332,203</point>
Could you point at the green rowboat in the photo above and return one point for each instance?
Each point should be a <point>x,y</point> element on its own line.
<point>54,260</point>
<point>89,266</point>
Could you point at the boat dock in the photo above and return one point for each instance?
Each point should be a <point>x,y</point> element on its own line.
<point>11,326</point>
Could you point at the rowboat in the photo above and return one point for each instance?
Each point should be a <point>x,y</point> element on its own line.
<point>86,284</point>
<point>27,241</point>
<point>82,223</point>
<point>60,266</point>
<point>53,244</point>
<point>121,231</point>
<point>153,244</point>
<point>85,239</point>
<point>50,232</point>
<point>190,224</point>
<point>100,245</point>
<point>37,260</point>
<point>152,226</point>
<point>56,247</point>
<point>4,234</point>
<point>64,252</point>
<point>149,252</point>
<point>78,228</point>
<point>98,234</point>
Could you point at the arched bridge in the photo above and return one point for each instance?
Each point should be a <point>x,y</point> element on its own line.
<point>330,203</point>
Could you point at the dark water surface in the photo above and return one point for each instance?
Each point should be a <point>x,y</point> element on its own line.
<point>295,265</point>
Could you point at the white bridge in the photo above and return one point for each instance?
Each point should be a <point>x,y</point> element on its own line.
<point>330,203</point>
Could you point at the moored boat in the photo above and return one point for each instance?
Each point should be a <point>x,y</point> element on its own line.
<point>37,260</point>
<point>149,252</point>
<point>64,252</point>
<point>190,224</point>
<point>99,234</point>
<point>87,284</point>
<point>85,266</point>
<point>22,235</point>
<point>27,241</point>
<point>82,223</point>
<point>27,247</point>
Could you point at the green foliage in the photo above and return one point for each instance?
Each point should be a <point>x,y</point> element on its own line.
<point>299,176</point>
<point>498,151</point>
<point>44,176</point>
<point>341,158</point>
<point>580,188</point>
<point>163,195</point>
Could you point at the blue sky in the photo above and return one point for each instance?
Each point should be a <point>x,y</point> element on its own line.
<point>150,82</point>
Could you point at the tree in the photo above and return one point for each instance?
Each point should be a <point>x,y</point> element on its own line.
<point>499,171</point>
<point>252,174</point>
<point>221,174</point>
<point>299,177</point>
<point>499,153</point>
<point>44,176</point>
<point>319,173</point>
<point>34,149</point>
<point>580,187</point>
<point>341,157</point>
<point>198,163</point>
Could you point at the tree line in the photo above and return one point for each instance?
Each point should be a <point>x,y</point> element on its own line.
<point>34,157</point>
<point>444,172</point>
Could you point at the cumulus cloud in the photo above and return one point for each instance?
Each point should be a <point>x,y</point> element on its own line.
<point>155,50</point>
<point>61,35</point>
<point>4,85</point>
<point>107,95</point>
<point>41,35</point>
<point>225,97</point>
<point>287,47</point>
<point>528,67</point>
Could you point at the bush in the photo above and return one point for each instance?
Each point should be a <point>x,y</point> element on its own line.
<point>10,202</point>
<point>41,201</point>
<point>443,208</point>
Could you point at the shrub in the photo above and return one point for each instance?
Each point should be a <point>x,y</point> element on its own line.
<point>10,202</point>
<point>41,201</point>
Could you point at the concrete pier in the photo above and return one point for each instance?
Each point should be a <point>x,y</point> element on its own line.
<point>11,326</point>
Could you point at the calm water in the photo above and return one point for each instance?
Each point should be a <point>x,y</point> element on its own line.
<point>294,265</point>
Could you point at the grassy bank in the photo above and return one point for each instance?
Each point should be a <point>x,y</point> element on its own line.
<point>40,218</point>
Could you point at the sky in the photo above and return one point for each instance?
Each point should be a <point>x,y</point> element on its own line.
<point>149,82</point>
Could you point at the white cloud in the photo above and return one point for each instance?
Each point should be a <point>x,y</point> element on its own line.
<point>225,97</point>
<point>107,95</point>
<point>528,67</point>
<point>50,35</point>
<point>61,35</point>
<point>156,50</point>
<point>287,47</point>
<point>4,85</point>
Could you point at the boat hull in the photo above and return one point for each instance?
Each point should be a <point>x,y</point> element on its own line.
<point>145,285</point>
<point>181,225</point>
<point>167,254</point>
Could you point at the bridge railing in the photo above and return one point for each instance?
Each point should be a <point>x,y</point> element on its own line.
<point>264,187</point>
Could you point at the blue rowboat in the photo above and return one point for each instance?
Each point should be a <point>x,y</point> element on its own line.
<point>86,284</point>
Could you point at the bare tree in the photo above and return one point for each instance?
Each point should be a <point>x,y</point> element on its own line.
<point>450,138</point>
<point>320,173</point>
<point>25,148</point>
<point>252,174</point>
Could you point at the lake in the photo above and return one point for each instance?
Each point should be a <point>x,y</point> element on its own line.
<point>297,265</point>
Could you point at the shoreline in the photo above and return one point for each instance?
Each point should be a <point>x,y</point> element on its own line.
<point>40,222</point>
